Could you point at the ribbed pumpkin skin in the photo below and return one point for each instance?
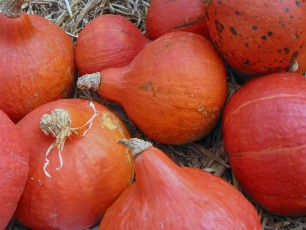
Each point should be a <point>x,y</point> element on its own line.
<point>166,16</point>
<point>13,168</point>
<point>264,126</point>
<point>168,197</point>
<point>38,66</point>
<point>174,90</point>
<point>260,36</point>
<point>107,41</point>
<point>95,169</point>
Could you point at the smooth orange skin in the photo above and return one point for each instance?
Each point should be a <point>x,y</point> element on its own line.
<point>166,196</point>
<point>95,169</point>
<point>166,16</point>
<point>36,64</point>
<point>14,165</point>
<point>264,127</point>
<point>257,37</point>
<point>108,41</point>
<point>174,90</point>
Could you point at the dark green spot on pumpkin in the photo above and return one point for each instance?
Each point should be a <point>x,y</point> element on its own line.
<point>237,13</point>
<point>294,55</point>
<point>287,10</point>
<point>254,27</point>
<point>264,37</point>
<point>233,31</point>
<point>270,34</point>
<point>246,62</point>
<point>286,50</point>
<point>219,26</point>
<point>298,3</point>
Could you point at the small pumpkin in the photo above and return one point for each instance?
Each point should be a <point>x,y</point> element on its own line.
<point>264,126</point>
<point>166,196</point>
<point>76,167</point>
<point>257,37</point>
<point>166,16</point>
<point>107,41</point>
<point>13,168</point>
<point>39,61</point>
<point>174,90</point>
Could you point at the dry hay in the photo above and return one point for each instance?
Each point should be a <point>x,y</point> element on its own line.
<point>207,153</point>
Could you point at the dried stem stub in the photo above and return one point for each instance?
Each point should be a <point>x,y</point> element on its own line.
<point>89,81</point>
<point>135,145</point>
<point>11,8</point>
<point>58,123</point>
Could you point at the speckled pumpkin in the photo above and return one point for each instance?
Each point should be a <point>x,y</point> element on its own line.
<point>258,36</point>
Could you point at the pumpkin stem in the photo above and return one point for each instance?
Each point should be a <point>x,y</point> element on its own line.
<point>89,81</point>
<point>135,145</point>
<point>11,8</point>
<point>58,123</point>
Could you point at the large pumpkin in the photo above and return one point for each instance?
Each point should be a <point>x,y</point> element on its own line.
<point>13,168</point>
<point>174,90</point>
<point>260,36</point>
<point>75,176</point>
<point>37,61</point>
<point>166,196</point>
<point>264,126</point>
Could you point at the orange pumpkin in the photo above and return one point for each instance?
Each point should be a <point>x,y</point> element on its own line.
<point>257,37</point>
<point>174,90</point>
<point>77,169</point>
<point>264,129</point>
<point>166,16</point>
<point>166,196</point>
<point>107,41</point>
<point>13,168</point>
<point>38,64</point>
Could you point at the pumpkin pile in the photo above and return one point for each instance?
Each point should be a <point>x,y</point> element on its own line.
<point>73,163</point>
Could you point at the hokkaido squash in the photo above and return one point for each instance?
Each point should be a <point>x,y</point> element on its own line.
<point>174,90</point>
<point>37,61</point>
<point>13,168</point>
<point>264,127</point>
<point>107,41</point>
<point>76,171</point>
<point>166,196</point>
<point>257,37</point>
<point>166,16</point>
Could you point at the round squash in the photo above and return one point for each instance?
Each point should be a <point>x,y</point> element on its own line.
<point>77,169</point>
<point>107,41</point>
<point>264,127</point>
<point>257,37</point>
<point>38,64</point>
<point>13,168</point>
